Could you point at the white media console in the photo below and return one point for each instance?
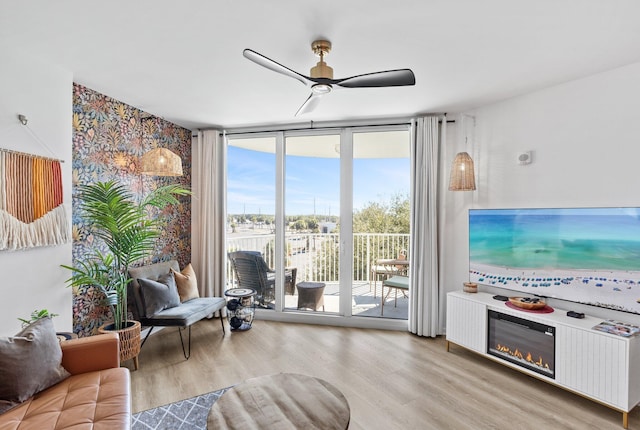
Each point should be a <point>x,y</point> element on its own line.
<point>600,366</point>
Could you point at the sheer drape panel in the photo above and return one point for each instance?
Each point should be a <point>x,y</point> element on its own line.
<point>208,233</point>
<point>424,297</point>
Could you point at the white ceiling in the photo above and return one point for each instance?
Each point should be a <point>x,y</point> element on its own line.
<point>182,59</point>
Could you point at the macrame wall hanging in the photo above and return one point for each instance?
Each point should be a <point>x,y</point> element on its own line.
<point>31,209</point>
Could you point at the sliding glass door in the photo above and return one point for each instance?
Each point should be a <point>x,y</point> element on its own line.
<point>312,221</point>
<point>323,208</point>
<point>381,215</point>
<point>251,212</point>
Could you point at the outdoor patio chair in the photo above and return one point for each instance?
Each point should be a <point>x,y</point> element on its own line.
<point>398,283</point>
<point>387,267</point>
<point>252,272</point>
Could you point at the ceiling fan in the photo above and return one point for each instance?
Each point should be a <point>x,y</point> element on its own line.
<point>321,79</point>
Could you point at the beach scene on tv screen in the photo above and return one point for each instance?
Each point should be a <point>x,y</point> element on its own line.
<point>584,255</point>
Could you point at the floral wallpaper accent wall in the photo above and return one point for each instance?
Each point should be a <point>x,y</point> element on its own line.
<point>109,137</point>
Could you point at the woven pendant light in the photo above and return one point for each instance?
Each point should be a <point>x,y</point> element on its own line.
<point>161,162</point>
<point>462,173</point>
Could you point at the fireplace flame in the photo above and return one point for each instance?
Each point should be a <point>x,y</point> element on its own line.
<point>517,354</point>
<point>525,357</point>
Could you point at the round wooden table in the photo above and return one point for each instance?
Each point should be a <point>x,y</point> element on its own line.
<point>282,401</point>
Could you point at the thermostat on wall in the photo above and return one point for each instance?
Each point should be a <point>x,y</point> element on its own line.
<point>524,158</point>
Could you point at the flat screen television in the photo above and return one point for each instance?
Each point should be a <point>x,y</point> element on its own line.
<point>584,255</point>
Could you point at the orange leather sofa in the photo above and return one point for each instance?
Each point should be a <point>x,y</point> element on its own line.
<point>97,395</point>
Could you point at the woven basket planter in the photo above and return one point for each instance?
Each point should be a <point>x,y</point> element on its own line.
<point>129,340</point>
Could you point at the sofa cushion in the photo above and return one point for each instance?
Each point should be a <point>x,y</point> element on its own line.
<point>98,400</point>
<point>151,271</point>
<point>187,283</point>
<point>159,295</point>
<point>30,362</point>
<point>187,313</point>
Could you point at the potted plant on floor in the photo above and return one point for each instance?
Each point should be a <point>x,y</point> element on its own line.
<point>129,235</point>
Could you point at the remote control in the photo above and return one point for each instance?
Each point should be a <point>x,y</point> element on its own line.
<point>574,314</point>
<point>501,298</point>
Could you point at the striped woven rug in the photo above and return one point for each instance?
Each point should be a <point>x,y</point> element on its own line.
<point>189,414</point>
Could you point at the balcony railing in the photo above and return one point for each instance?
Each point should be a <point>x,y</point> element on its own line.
<point>316,255</point>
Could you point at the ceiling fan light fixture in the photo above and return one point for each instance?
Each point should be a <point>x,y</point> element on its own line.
<point>321,89</point>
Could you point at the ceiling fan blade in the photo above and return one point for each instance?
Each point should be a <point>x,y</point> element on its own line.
<point>309,104</point>
<point>272,65</point>
<point>388,78</point>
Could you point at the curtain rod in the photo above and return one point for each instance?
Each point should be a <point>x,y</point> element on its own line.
<point>321,128</point>
<point>314,128</point>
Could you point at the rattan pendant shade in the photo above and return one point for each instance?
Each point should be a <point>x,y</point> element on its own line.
<point>462,173</point>
<point>161,162</point>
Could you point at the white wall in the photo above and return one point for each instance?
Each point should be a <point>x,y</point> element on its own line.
<point>33,279</point>
<point>585,138</point>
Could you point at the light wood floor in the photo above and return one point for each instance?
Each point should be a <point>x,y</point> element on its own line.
<point>392,380</point>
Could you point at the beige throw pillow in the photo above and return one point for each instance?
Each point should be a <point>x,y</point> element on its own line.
<point>187,283</point>
<point>30,362</point>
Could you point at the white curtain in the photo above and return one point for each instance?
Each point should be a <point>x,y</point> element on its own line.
<point>208,219</point>
<point>424,298</point>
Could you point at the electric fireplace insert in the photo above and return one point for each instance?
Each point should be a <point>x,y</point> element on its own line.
<point>528,344</point>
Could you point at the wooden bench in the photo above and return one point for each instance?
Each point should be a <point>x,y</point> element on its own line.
<point>399,283</point>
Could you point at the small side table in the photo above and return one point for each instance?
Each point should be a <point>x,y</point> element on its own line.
<point>311,295</point>
<point>240,308</point>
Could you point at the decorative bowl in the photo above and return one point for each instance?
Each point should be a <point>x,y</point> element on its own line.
<point>470,287</point>
<point>527,302</point>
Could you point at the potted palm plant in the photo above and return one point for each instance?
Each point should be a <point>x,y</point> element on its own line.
<point>129,235</point>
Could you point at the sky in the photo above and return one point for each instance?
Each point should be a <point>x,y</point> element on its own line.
<point>312,184</point>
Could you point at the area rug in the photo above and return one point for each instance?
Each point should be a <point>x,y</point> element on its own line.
<point>189,414</point>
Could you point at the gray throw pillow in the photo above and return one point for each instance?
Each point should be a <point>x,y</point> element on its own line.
<point>30,362</point>
<point>159,295</point>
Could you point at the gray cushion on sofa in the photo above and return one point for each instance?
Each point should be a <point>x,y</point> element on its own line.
<point>152,271</point>
<point>159,295</point>
<point>30,361</point>
<point>188,312</point>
